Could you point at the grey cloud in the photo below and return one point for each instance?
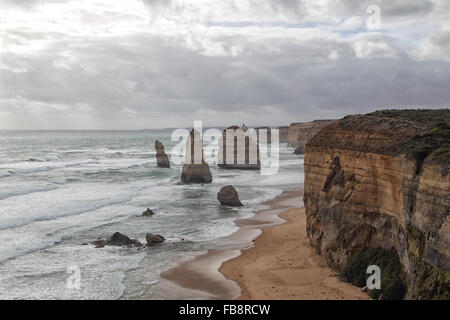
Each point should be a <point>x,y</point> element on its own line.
<point>125,80</point>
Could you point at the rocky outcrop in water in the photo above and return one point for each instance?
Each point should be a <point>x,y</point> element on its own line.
<point>382,181</point>
<point>243,149</point>
<point>228,196</point>
<point>153,239</point>
<point>117,239</point>
<point>195,169</point>
<point>162,159</point>
<point>147,213</point>
<point>292,136</point>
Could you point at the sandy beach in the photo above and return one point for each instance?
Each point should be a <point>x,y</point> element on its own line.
<point>278,264</point>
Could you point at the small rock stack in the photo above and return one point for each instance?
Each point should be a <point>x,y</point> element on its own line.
<point>162,159</point>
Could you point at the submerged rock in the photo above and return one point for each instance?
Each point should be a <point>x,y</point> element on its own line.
<point>153,238</point>
<point>162,159</point>
<point>228,196</point>
<point>148,213</point>
<point>195,169</point>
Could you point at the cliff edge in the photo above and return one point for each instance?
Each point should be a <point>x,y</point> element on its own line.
<point>382,180</point>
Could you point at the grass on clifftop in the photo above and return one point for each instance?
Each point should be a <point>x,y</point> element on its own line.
<point>433,142</point>
<point>392,275</point>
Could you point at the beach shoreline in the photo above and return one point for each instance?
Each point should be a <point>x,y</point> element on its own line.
<point>276,261</point>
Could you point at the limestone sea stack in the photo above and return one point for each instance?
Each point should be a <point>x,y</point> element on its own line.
<point>238,149</point>
<point>283,133</point>
<point>162,159</point>
<point>195,169</point>
<point>228,196</point>
<point>378,185</point>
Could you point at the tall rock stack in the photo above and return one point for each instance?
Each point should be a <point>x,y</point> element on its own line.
<point>162,158</point>
<point>242,147</point>
<point>195,169</point>
<point>283,133</point>
<point>308,130</point>
<point>292,136</point>
<point>264,131</point>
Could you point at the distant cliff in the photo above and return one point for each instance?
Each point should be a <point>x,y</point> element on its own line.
<point>382,181</point>
<point>300,133</point>
<point>308,130</point>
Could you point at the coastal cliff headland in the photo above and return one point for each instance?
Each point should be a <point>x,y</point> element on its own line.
<point>379,184</point>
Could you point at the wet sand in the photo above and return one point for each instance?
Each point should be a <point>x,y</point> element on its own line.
<point>279,264</point>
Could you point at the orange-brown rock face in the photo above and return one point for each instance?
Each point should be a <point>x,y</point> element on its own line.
<point>308,130</point>
<point>362,191</point>
<point>292,136</point>
<point>300,133</point>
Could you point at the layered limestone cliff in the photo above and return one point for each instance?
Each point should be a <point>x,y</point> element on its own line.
<point>308,130</point>
<point>300,133</point>
<point>382,180</point>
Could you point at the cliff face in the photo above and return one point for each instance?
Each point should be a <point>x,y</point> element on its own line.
<point>308,130</point>
<point>370,184</point>
<point>300,133</point>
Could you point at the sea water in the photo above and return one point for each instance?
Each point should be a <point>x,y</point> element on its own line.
<point>62,189</point>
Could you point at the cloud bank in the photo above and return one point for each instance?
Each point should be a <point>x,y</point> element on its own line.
<point>99,64</point>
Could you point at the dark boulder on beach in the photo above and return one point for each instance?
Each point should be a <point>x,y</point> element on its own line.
<point>162,159</point>
<point>228,196</point>
<point>153,238</point>
<point>148,213</point>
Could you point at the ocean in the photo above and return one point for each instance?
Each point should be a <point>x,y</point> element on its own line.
<point>61,189</point>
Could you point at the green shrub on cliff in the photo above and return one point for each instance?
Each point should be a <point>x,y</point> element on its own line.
<point>392,274</point>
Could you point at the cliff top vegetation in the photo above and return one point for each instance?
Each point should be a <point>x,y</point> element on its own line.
<point>433,141</point>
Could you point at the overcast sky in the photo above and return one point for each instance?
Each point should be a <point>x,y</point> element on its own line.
<point>105,64</point>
